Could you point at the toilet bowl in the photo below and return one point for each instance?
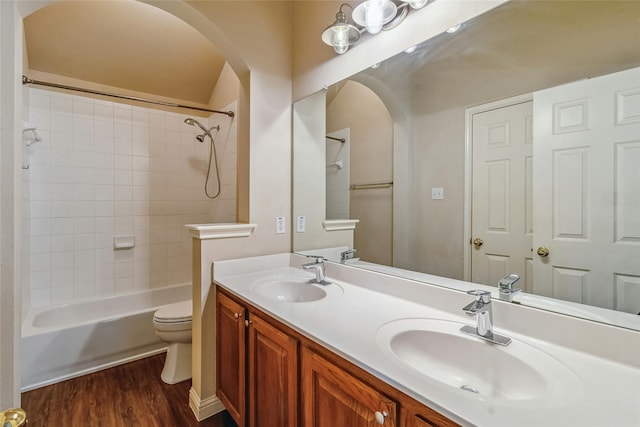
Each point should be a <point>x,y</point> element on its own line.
<point>172,324</point>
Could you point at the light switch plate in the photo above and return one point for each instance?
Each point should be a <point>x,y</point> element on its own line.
<point>300,224</point>
<point>280,227</point>
<point>437,193</point>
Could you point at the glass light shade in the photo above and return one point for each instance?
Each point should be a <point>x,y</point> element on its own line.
<point>340,35</point>
<point>373,14</point>
<point>416,4</point>
<point>341,49</point>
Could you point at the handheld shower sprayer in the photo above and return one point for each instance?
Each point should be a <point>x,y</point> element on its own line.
<point>212,152</point>
<point>207,132</point>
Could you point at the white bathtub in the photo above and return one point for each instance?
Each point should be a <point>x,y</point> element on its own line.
<point>66,341</point>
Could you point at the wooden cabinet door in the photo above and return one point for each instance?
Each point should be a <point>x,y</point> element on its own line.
<point>230,354</point>
<point>332,397</point>
<point>415,420</point>
<point>273,375</point>
<point>414,414</point>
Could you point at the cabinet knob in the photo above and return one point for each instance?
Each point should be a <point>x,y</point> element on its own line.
<point>381,416</point>
<point>247,323</point>
<point>237,315</point>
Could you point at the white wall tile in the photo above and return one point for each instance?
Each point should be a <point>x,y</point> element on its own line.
<point>62,242</point>
<point>62,277</point>
<point>105,169</point>
<point>62,174</point>
<point>61,295</point>
<point>62,260</point>
<point>62,226</point>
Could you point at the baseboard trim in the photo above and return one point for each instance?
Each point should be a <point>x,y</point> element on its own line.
<point>204,408</point>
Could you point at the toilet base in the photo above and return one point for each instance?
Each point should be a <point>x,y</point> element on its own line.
<point>177,365</point>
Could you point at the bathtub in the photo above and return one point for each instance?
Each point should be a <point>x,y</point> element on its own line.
<point>66,341</point>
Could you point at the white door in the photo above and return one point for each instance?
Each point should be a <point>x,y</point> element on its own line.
<point>501,222</point>
<point>587,191</point>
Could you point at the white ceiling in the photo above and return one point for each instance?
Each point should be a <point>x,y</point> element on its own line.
<point>124,44</point>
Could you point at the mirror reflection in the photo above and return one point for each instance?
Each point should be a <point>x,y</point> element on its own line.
<point>497,134</point>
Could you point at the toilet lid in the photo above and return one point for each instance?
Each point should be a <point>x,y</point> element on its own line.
<point>178,312</point>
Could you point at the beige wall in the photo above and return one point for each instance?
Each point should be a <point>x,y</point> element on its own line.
<point>371,161</point>
<point>226,89</point>
<point>310,176</point>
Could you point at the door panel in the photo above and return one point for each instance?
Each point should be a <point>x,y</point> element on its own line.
<point>502,193</point>
<point>587,169</point>
<point>273,376</point>
<point>230,353</point>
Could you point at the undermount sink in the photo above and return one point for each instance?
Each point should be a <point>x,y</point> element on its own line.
<point>520,372</point>
<point>289,288</point>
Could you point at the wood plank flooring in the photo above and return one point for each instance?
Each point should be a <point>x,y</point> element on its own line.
<point>128,395</point>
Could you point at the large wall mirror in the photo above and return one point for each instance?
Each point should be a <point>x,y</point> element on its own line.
<point>520,132</point>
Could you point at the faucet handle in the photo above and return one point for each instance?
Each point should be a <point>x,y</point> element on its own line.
<point>481,296</point>
<point>318,258</point>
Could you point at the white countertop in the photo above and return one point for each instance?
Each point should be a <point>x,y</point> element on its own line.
<point>601,391</point>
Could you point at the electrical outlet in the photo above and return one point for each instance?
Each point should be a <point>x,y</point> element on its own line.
<point>280,227</point>
<point>437,193</point>
<point>300,224</point>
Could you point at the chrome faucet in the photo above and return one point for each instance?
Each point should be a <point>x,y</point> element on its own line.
<point>318,266</point>
<point>506,289</point>
<point>347,255</point>
<point>482,310</point>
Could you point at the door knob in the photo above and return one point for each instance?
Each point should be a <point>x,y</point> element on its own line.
<point>478,242</point>
<point>542,251</point>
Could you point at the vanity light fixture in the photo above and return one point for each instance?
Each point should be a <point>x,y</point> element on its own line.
<point>371,16</point>
<point>341,34</point>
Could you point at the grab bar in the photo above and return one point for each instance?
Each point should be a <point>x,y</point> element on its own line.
<point>372,185</point>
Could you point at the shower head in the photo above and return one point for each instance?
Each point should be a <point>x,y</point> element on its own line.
<point>194,122</point>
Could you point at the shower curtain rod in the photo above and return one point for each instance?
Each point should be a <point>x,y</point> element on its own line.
<point>28,81</point>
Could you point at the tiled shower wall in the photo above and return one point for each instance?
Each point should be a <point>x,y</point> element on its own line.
<point>106,169</point>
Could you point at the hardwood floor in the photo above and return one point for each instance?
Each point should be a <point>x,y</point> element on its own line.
<point>128,395</point>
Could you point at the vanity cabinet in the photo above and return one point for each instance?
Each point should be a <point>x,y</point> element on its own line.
<point>257,369</point>
<point>414,414</point>
<point>231,357</point>
<point>277,371</point>
<point>333,397</point>
<point>273,375</point>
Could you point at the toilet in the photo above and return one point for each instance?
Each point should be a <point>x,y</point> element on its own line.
<point>172,324</point>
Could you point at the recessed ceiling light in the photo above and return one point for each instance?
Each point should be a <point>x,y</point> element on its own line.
<point>411,49</point>
<point>454,28</point>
